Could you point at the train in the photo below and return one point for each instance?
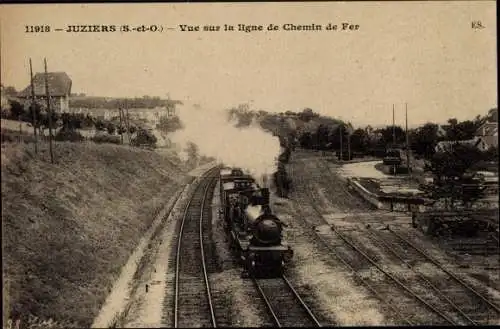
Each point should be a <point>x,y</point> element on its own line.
<point>255,233</point>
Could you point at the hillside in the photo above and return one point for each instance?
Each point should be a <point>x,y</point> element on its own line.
<point>70,227</point>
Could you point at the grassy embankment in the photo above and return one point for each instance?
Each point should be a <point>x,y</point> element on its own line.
<point>69,227</point>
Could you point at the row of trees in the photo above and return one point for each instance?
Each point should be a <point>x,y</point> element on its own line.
<point>422,140</point>
<point>67,120</point>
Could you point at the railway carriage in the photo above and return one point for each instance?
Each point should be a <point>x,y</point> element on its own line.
<point>392,157</point>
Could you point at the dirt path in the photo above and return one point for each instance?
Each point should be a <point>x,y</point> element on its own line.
<point>118,301</point>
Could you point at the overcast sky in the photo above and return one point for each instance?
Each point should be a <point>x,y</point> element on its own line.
<point>426,54</point>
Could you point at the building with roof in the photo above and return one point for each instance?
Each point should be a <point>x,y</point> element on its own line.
<point>59,85</point>
<point>488,134</point>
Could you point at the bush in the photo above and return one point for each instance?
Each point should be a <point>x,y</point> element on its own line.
<point>69,135</point>
<point>106,139</point>
<point>111,128</point>
<point>144,137</point>
<point>8,137</point>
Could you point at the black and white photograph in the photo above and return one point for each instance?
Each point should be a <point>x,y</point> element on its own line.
<point>249,164</point>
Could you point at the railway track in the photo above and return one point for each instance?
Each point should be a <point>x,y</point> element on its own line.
<point>284,304</point>
<point>361,261</point>
<point>443,303</point>
<point>193,306</point>
<point>383,297</point>
<point>415,299</point>
<point>474,305</point>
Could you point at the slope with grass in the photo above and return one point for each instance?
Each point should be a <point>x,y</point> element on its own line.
<point>69,227</point>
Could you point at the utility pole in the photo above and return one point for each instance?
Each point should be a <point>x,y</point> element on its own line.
<point>393,127</point>
<point>349,143</point>
<point>33,107</point>
<point>128,122</point>
<point>340,129</point>
<point>393,136</point>
<point>49,112</point>
<point>121,125</point>
<point>407,143</point>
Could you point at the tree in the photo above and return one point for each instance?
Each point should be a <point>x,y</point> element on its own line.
<point>425,139</point>
<point>307,115</point>
<point>9,91</point>
<point>144,137</point>
<point>16,110</point>
<point>305,140</point>
<point>169,124</point>
<point>111,128</point>
<point>192,151</point>
<point>99,125</point>
<point>359,140</point>
<point>387,134</point>
<point>322,137</point>
<point>452,175</point>
<point>88,121</point>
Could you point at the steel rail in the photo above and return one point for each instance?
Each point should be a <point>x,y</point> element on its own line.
<point>456,278</point>
<point>388,247</point>
<point>178,251</point>
<point>392,277</point>
<point>268,304</point>
<point>349,266</point>
<point>205,275</point>
<point>302,303</point>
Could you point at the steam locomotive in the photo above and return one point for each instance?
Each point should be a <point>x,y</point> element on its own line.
<point>255,232</point>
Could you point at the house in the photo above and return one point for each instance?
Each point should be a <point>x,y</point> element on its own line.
<point>442,130</point>
<point>59,84</point>
<point>488,133</point>
<point>445,146</point>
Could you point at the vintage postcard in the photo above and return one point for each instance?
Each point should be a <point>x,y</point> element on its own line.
<point>224,164</point>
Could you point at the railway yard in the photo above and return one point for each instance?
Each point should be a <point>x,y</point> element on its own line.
<point>353,264</point>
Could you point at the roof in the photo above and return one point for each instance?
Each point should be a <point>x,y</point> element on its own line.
<point>59,84</point>
<point>490,140</point>
<point>488,129</point>
<point>448,145</point>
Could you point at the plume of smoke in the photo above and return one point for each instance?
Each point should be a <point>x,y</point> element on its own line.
<point>249,148</point>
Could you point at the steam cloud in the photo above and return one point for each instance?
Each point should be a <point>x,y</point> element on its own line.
<point>249,148</point>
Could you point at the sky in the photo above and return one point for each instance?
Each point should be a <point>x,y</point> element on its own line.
<point>425,54</point>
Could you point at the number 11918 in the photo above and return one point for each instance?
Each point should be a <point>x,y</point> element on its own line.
<point>36,28</point>
<point>13,324</point>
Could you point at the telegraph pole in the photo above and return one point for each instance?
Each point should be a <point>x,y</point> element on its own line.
<point>349,144</point>
<point>340,129</point>
<point>33,107</point>
<point>393,127</point>
<point>49,112</point>
<point>393,136</point>
<point>127,122</point>
<point>407,142</point>
<point>121,126</point>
